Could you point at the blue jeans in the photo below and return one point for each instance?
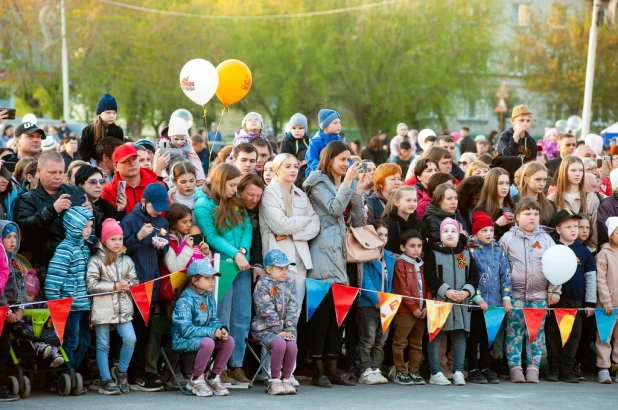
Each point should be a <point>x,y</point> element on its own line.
<point>458,346</point>
<point>126,332</point>
<point>77,336</point>
<point>235,312</point>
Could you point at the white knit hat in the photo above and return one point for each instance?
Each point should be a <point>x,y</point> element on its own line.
<point>244,120</point>
<point>612,224</point>
<point>424,134</point>
<point>613,178</point>
<point>178,126</point>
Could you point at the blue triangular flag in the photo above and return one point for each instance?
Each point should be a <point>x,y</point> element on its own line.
<point>605,324</point>
<point>316,291</point>
<point>494,316</point>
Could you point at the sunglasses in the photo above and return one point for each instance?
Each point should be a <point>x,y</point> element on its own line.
<point>97,181</point>
<point>463,163</point>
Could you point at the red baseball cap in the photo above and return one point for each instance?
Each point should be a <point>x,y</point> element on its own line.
<point>123,153</point>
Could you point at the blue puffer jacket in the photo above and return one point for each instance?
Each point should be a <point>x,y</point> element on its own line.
<point>66,276</point>
<point>494,272</point>
<point>372,279</point>
<point>319,141</point>
<point>144,255</point>
<point>227,241</point>
<point>194,318</point>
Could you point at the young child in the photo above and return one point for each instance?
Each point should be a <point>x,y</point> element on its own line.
<point>494,289</point>
<point>110,270</point>
<point>400,216</point>
<point>296,139</point>
<point>196,328</point>
<point>177,133</point>
<point>377,276</point>
<point>453,276</point>
<point>66,277</point>
<point>578,292</point>
<point>585,233</point>
<point>607,283</point>
<point>410,323</point>
<point>524,245</point>
<point>276,317</point>
<point>330,127</point>
<point>251,128</point>
<point>516,140</point>
<point>103,126</point>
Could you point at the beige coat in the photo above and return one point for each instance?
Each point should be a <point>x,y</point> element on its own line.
<point>592,205</point>
<point>302,226</point>
<point>607,277</point>
<point>116,308</point>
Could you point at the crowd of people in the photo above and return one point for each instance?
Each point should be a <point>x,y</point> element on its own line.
<point>459,220</point>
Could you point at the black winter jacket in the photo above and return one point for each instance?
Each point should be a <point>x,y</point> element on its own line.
<point>87,148</point>
<point>433,218</point>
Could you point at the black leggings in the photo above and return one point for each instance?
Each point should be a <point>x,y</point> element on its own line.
<point>477,341</point>
<point>324,334</point>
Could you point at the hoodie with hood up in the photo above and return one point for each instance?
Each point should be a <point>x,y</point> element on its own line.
<point>15,271</point>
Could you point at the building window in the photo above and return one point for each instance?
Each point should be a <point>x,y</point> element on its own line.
<point>557,16</point>
<point>474,110</point>
<point>520,15</point>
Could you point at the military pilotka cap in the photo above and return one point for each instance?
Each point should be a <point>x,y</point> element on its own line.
<point>520,110</point>
<point>564,215</point>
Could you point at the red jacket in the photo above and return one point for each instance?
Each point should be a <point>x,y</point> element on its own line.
<point>405,283</point>
<point>134,195</point>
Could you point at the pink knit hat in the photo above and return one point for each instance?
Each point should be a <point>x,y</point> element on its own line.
<point>110,228</point>
<point>33,285</point>
<point>449,221</point>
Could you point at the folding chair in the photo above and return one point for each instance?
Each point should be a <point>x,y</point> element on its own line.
<point>263,348</point>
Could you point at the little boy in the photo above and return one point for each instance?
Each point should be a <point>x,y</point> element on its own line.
<point>578,292</point>
<point>494,289</point>
<point>410,320</point>
<point>516,141</point>
<point>330,127</point>
<point>297,139</point>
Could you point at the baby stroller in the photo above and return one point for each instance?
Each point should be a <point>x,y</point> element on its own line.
<point>27,366</point>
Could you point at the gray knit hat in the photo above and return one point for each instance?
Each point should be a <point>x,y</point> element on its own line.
<point>299,119</point>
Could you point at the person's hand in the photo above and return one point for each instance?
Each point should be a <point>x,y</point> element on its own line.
<point>224,334</point>
<point>507,306</point>
<point>62,203</point>
<point>20,314</point>
<point>199,183</point>
<point>483,305</point>
<point>87,204</point>
<point>352,173</point>
<point>424,313</point>
<point>510,217</point>
<point>257,272</point>
<point>589,312</point>
<point>518,131</point>
<point>552,300</point>
<point>189,241</point>
<point>418,314</point>
<point>4,114</point>
<point>218,334</point>
<point>502,221</point>
<point>609,311</point>
<point>161,162</point>
<point>363,183</point>
<point>205,248</point>
<point>451,294</point>
<point>122,286</point>
<point>146,230</point>
<point>241,261</point>
<point>12,318</point>
<point>121,203</point>
<point>158,245</point>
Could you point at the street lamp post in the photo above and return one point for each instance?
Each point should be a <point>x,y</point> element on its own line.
<point>592,50</point>
<point>66,109</point>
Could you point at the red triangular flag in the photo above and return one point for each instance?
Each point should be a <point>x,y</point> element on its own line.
<point>3,312</point>
<point>59,311</point>
<point>343,296</point>
<point>534,318</point>
<point>142,295</point>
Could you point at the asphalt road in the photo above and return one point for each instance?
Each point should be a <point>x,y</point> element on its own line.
<point>587,395</point>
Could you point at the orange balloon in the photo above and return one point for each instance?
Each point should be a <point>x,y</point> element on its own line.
<point>234,81</point>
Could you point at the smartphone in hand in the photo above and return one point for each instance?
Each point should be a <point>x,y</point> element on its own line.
<point>122,188</point>
<point>11,113</point>
<point>165,146</point>
<point>197,238</point>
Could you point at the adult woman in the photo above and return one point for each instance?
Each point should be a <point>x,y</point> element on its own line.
<point>225,224</point>
<point>183,175</point>
<point>496,201</point>
<point>355,146</point>
<point>72,169</point>
<point>385,181</point>
<point>469,192</point>
<point>443,205</point>
<point>570,191</point>
<point>250,190</point>
<point>465,160</point>
<point>374,152</point>
<point>371,171</point>
<point>330,189</point>
<point>287,219</point>
<point>435,181</point>
<point>423,170</point>
<point>531,180</point>
<point>7,134</point>
<point>8,194</point>
<point>477,169</point>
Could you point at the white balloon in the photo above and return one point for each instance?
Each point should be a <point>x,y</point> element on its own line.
<point>574,123</point>
<point>29,118</point>
<point>199,80</point>
<point>562,126</point>
<point>185,115</point>
<point>595,142</point>
<point>559,264</point>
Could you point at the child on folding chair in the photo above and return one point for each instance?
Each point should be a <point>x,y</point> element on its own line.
<point>196,328</point>
<point>276,318</point>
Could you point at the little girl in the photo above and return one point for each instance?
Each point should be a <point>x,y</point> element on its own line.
<point>585,233</point>
<point>184,178</point>
<point>196,328</point>
<point>180,149</point>
<point>251,128</point>
<point>400,215</point>
<point>110,270</point>
<point>276,317</point>
<point>103,126</point>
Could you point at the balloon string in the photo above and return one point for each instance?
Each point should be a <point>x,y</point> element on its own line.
<point>205,110</point>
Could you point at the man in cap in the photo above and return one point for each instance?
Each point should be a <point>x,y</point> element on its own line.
<point>28,137</point>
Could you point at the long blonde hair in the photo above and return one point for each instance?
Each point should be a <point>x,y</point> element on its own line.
<point>110,256</point>
<point>99,129</point>
<point>563,184</point>
<point>529,169</point>
<point>287,196</point>
<point>396,196</point>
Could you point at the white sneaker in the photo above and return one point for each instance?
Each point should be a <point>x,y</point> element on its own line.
<point>293,381</point>
<point>604,377</point>
<point>439,379</point>
<point>378,376</point>
<point>368,377</point>
<point>458,379</point>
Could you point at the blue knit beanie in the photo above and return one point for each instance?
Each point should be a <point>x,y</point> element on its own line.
<point>106,102</point>
<point>326,116</point>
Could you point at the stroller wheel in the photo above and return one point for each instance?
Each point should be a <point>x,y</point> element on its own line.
<point>26,388</point>
<point>12,385</point>
<point>64,384</point>
<point>79,385</point>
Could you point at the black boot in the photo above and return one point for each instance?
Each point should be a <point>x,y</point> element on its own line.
<point>335,376</point>
<point>319,379</point>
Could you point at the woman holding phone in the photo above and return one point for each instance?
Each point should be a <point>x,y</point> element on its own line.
<point>496,201</point>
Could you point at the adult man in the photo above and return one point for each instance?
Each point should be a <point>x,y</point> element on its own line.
<point>402,135</point>
<point>28,138</point>
<point>566,145</point>
<point>126,164</point>
<point>447,142</point>
<point>245,158</point>
<point>585,152</point>
<point>482,145</point>
<point>465,143</point>
<point>39,212</point>
<point>214,137</point>
<point>70,151</point>
<point>405,157</point>
<point>64,130</point>
<point>104,152</point>
<point>264,151</point>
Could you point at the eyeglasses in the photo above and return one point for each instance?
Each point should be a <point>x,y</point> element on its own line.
<point>464,163</point>
<point>97,181</point>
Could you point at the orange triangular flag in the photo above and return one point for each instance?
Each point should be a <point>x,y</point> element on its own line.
<point>142,295</point>
<point>565,319</point>
<point>4,310</point>
<point>534,318</point>
<point>59,311</point>
<point>343,296</point>
<point>437,313</point>
<point>389,305</point>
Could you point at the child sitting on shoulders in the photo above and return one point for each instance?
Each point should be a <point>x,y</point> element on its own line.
<point>330,127</point>
<point>251,128</point>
